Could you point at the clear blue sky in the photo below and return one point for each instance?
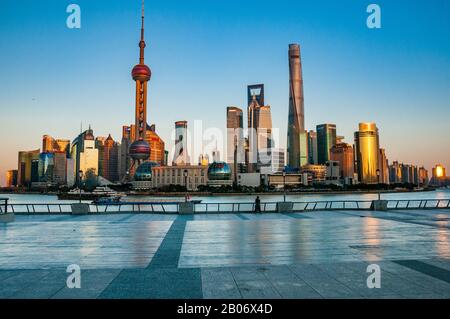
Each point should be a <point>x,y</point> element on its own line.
<point>204,53</point>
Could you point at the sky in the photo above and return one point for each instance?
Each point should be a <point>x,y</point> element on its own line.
<point>203,54</point>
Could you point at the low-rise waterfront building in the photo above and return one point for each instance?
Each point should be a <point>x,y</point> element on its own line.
<point>194,175</point>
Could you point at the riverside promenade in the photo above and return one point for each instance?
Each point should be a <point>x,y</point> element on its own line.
<point>318,254</point>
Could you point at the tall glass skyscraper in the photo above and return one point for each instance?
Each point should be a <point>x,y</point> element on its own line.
<point>296,120</point>
<point>312,147</point>
<point>256,91</point>
<point>367,148</point>
<point>235,138</point>
<point>326,138</point>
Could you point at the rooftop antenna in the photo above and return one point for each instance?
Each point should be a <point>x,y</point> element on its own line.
<point>142,42</point>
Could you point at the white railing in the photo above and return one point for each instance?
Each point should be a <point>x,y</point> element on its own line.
<point>246,207</point>
<point>242,207</point>
<point>3,205</point>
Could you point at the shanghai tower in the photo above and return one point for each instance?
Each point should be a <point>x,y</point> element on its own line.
<point>297,152</point>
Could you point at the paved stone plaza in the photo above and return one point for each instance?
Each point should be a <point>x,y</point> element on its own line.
<point>301,255</point>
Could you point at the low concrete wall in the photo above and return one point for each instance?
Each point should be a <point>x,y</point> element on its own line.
<point>380,205</point>
<point>285,207</point>
<point>80,209</point>
<point>7,218</point>
<point>185,208</point>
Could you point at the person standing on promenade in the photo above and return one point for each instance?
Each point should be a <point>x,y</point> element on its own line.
<point>257,205</point>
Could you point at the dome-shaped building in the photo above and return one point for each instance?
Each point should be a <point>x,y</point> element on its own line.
<point>219,174</point>
<point>139,150</point>
<point>141,72</point>
<point>144,172</point>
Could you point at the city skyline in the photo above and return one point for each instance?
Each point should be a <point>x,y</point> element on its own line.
<point>397,131</point>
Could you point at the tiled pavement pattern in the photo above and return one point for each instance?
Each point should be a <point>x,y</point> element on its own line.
<point>303,255</point>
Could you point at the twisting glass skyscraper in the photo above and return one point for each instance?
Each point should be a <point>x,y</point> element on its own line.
<point>297,153</point>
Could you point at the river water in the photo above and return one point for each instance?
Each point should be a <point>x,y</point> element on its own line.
<point>438,194</point>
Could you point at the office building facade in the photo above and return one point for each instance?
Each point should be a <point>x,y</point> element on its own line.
<point>163,176</point>
<point>384,167</point>
<point>27,168</point>
<point>367,148</point>
<point>11,178</point>
<point>343,154</point>
<point>85,155</point>
<point>312,148</point>
<point>326,138</point>
<point>260,141</point>
<point>235,138</point>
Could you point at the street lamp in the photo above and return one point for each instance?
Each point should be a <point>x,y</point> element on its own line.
<point>378,178</point>
<point>185,173</point>
<point>284,185</point>
<point>80,176</point>
<point>235,163</point>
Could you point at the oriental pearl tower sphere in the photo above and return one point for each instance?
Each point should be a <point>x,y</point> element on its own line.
<point>140,149</point>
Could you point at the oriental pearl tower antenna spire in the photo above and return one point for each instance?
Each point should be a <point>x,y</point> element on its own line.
<point>140,149</point>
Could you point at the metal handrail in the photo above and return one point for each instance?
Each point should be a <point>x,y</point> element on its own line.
<point>241,207</point>
<point>4,205</point>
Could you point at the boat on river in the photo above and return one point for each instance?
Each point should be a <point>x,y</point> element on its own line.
<point>97,193</point>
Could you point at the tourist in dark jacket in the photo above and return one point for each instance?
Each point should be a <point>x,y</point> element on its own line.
<point>257,205</point>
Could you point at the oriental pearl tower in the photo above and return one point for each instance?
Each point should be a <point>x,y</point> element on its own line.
<point>140,150</point>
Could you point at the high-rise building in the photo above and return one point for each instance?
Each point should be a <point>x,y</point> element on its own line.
<point>180,156</point>
<point>278,161</point>
<point>260,135</point>
<point>70,172</point>
<point>46,164</point>
<point>384,167</point>
<point>124,157</point>
<point>255,91</point>
<point>367,148</point>
<point>415,174</point>
<point>423,176</point>
<point>252,153</point>
<point>326,138</point>
<point>51,145</point>
<point>157,146</point>
<point>59,168</point>
<point>27,168</point>
<point>312,148</point>
<point>235,138</point>
<point>11,178</point>
<point>401,173</point>
<point>439,176</point>
<point>304,151</point>
<point>140,150</point>
<point>47,143</point>
<point>110,159</point>
<point>261,143</point>
<point>296,119</point>
<point>438,171</point>
<point>343,153</point>
<point>85,154</point>
<point>395,173</point>
<point>100,145</point>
